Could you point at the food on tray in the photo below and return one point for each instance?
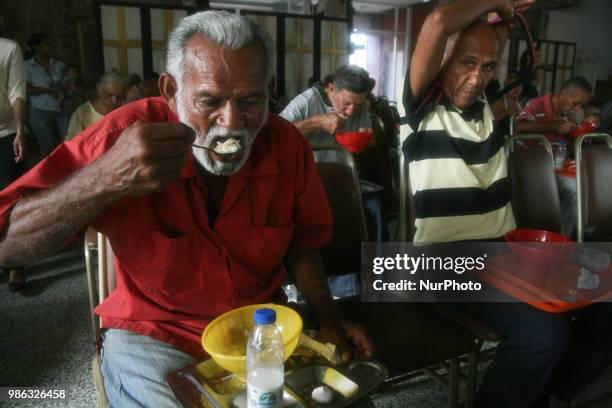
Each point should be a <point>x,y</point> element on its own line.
<point>322,394</point>
<point>340,383</point>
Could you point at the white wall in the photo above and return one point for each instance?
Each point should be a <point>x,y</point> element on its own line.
<point>589,26</point>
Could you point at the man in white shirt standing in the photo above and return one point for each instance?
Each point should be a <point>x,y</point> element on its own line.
<point>12,122</point>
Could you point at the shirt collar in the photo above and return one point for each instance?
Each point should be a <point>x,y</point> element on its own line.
<point>321,90</point>
<point>474,112</point>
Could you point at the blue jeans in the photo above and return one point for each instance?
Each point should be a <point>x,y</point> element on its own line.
<point>49,128</point>
<point>134,368</point>
<point>543,352</point>
<point>344,285</point>
<point>375,216</point>
<point>569,200</point>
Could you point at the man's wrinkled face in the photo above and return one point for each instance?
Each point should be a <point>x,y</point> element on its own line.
<point>571,99</point>
<point>223,95</point>
<point>112,95</point>
<point>345,102</point>
<point>471,66</point>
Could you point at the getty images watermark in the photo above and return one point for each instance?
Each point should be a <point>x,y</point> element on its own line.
<point>486,272</point>
<point>412,265</point>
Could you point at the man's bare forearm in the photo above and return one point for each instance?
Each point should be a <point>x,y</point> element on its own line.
<point>19,112</point>
<point>41,223</point>
<point>306,267</point>
<point>308,125</point>
<point>525,126</point>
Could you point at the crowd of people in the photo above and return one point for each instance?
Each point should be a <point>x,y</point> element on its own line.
<point>148,176</point>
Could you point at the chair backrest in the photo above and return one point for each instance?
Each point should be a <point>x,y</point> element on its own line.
<point>374,163</point>
<point>535,195</point>
<point>593,181</point>
<point>99,289</point>
<point>343,254</point>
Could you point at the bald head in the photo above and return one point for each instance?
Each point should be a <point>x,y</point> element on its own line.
<point>469,63</point>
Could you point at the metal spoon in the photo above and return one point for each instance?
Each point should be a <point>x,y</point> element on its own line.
<point>220,155</point>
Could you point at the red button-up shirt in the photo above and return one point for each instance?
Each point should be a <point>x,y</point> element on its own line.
<point>541,110</point>
<point>175,272</point>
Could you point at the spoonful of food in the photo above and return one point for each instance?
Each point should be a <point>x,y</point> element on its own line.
<point>224,150</point>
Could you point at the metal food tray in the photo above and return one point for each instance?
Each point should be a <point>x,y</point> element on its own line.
<point>210,386</point>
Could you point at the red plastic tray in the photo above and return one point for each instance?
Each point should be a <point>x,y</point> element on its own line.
<point>551,299</point>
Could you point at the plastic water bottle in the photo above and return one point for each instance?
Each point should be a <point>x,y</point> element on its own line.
<point>265,362</point>
<point>560,154</point>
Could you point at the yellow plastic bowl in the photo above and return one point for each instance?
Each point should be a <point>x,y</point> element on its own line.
<point>225,338</point>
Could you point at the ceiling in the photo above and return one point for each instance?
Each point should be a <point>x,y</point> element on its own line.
<point>376,6</point>
<point>371,6</point>
<point>361,6</point>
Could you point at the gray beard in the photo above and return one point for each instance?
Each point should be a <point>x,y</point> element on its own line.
<point>204,157</point>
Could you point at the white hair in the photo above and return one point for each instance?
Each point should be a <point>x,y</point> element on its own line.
<point>226,30</point>
<point>108,77</point>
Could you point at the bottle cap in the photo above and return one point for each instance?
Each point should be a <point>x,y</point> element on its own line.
<point>265,316</point>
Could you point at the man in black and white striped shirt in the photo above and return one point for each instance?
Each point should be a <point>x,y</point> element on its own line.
<point>458,178</point>
<point>457,168</point>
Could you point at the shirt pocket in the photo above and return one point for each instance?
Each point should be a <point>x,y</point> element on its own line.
<point>165,266</point>
<point>259,249</point>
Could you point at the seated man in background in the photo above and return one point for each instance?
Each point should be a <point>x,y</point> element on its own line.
<point>549,115</point>
<point>195,234</point>
<point>339,106</point>
<point>110,94</point>
<point>458,177</point>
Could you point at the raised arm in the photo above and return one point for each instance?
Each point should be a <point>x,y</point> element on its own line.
<point>144,159</point>
<point>443,22</point>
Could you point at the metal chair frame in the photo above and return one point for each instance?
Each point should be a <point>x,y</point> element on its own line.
<point>509,145</point>
<point>579,193</point>
<point>98,291</point>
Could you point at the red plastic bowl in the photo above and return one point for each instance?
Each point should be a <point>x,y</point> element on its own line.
<point>538,252</point>
<point>533,235</point>
<point>354,141</point>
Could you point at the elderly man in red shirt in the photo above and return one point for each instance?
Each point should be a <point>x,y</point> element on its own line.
<point>548,115</point>
<point>195,233</point>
